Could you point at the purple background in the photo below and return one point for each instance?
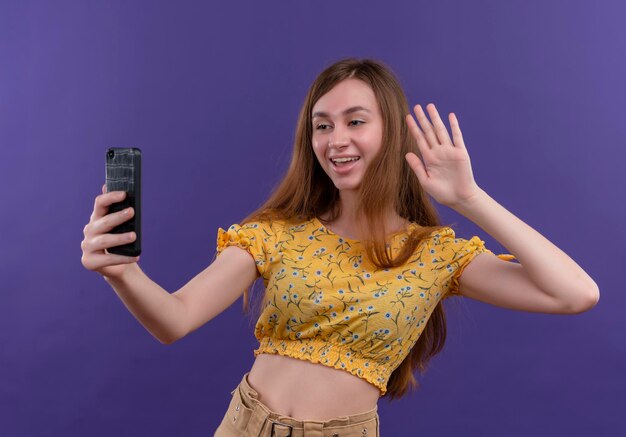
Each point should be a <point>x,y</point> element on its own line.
<point>538,90</point>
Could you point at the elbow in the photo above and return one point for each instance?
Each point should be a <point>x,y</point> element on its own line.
<point>166,341</point>
<point>586,301</point>
<point>169,339</point>
<point>594,297</point>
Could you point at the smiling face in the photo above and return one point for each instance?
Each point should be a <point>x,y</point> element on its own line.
<point>347,123</point>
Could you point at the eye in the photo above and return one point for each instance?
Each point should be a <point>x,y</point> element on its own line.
<point>321,126</point>
<point>357,121</point>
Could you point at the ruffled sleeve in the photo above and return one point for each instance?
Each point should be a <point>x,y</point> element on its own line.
<point>455,254</point>
<point>256,238</point>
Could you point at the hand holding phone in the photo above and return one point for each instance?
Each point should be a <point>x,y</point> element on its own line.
<point>112,236</point>
<point>98,239</point>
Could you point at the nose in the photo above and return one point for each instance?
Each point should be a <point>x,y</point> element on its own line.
<point>338,139</point>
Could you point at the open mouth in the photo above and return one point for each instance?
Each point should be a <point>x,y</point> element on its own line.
<point>345,162</point>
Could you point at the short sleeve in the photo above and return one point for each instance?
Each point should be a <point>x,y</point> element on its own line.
<point>255,237</point>
<point>455,254</point>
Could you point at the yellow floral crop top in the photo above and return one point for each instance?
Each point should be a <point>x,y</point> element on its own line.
<point>326,303</point>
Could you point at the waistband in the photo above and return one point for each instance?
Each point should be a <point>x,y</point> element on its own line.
<point>264,422</point>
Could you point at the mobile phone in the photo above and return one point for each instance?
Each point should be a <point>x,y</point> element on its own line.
<point>123,173</point>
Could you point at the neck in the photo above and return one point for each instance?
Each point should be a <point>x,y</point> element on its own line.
<point>348,202</point>
<point>347,222</point>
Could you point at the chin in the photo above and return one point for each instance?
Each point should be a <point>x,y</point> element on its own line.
<point>346,183</point>
<point>347,187</point>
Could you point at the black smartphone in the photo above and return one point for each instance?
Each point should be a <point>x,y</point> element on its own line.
<point>123,173</point>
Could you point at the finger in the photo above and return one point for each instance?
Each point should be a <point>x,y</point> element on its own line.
<point>98,243</point>
<point>426,126</point>
<point>422,144</point>
<point>440,128</point>
<point>103,201</point>
<point>93,214</point>
<point>108,222</point>
<point>456,131</point>
<point>118,259</point>
<point>417,166</point>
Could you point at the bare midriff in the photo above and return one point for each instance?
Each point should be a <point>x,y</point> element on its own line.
<point>309,391</point>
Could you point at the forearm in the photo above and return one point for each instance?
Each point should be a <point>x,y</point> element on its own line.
<point>160,312</point>
<point>547,266</point>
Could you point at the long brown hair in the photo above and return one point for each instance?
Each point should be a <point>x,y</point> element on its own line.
<point>389,183</point>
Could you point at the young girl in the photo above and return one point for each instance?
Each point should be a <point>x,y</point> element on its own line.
<point>354,261</point>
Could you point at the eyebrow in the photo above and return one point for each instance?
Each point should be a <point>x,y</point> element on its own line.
<point>347,111</point>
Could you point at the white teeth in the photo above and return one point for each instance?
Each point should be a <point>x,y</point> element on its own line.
<point>345,159</point>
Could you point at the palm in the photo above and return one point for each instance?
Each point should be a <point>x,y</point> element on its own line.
<point>446,171</point>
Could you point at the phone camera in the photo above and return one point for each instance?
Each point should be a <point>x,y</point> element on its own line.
<point>111,154</point>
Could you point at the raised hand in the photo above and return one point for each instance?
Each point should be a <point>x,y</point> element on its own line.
<point>446,173</point>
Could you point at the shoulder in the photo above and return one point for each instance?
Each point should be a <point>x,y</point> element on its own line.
<point>447,237</point>
<point>433,236</point>
<point>442,246</point>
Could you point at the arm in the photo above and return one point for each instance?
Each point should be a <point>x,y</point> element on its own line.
<point>169,317</point>
<point>546,280</point>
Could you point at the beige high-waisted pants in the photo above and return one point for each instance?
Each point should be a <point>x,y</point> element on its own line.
<point>248,417</point>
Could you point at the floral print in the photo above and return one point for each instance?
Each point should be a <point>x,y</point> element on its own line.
<point>326,303</point>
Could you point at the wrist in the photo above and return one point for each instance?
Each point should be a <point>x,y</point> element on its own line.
<point>123,277</point>
<point>470,203</point>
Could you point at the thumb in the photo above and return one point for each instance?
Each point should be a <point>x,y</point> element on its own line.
<point>416,165</point>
